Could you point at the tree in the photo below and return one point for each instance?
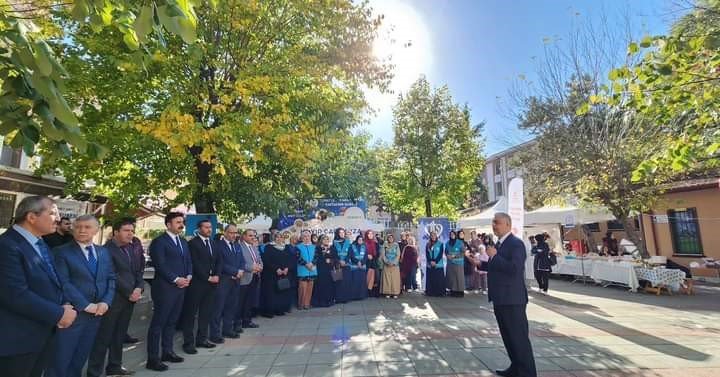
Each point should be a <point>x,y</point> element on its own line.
<point>436,154</point>
<point>33,105</point>
<point>676,85</point>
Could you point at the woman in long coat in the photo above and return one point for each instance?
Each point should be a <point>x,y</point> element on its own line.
<point>373,257</point>
<point>307,270</point>
<point>391,270</point>
<point>277,263</point>
<point>323,294</point>
<point>341,246</point>
<point>435,274</point>
<point>455,252</point>
<point>358,267</point>
<point>409,265</point>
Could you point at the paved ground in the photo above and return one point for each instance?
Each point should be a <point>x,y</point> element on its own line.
<point>576,331</point>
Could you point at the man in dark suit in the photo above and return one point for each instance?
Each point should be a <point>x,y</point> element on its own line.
<point>200,297</point>
<point>62,235</point>
<point>88,279</point>
<point>222,323</point>
<point>507,292</point>
<point>249,282</point>
<point>31,298</point>
<point>128,289</point>
<point>170,254</point>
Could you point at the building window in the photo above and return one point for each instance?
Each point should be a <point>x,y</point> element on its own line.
<point>498,189</point>
<point>593,227</point>
<point>685,231</point>
<point>10,156</point>
<point>498,168</point>
<point>615,225</point>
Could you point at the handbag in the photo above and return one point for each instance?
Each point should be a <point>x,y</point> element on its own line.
<point>483,266</point>
<point>336,274</point>
<point>553,259</point>
<point>283,284</point>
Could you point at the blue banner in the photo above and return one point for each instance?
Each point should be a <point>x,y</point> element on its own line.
<point>426,225</point>
<point>332,207</point>
<point>191,223</point>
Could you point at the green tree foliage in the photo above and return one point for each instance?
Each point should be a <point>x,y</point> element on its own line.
<point>431,168</point>
<point>676,85</point>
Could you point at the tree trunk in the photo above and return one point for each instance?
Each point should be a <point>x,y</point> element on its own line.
<point>428,207</point>
<point>203,199</point>
<point>634,235</point>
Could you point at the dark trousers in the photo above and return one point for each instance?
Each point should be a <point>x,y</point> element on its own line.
<point>411,279</point>
<point>226,300</point>
<point>513,324</point>
<point>199,304</point>
<point>29,364</point>
<point>167,305</point>
<point>246,301</point>
<point>73,346</point>
<point>110,336</point>
<point>543,279</point>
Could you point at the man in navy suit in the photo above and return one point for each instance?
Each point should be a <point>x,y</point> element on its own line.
<point>233,269</point>
<point>507,292</point>
<point>200,296</point>
<point>129,284</point>
<point>31,297</point>
<point>170,256</point>
<point>88,279</point>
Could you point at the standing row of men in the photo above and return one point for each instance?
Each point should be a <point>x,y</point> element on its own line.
<point>209,282</point>
<point>62,307</point>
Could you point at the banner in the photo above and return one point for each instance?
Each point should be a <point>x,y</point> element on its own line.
<point>426,225</point>
<point>332,207</point>
<point>192,221</point>
<point>516,206</point>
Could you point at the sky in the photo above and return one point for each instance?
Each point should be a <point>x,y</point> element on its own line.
<point>480,49</point>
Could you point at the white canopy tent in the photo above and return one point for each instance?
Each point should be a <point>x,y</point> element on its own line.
<point>260,224</point>
<point>484,218</point>
<point>568,215</point>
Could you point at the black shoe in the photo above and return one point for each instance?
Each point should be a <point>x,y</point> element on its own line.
<point>279,314</point>
<point>119,372</point>
<point>156,365</point>
<point>204,344</point>
<point>217,340</point>
<point>130,340</point>
<point>231,335</point>
<point>172,357</point>
<point>506,373</point>
<point>250,325</point>
<point>190,350</point>
<point>267,315</point>
<point>238,329</point>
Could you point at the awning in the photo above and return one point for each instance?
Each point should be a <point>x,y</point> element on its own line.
<point>484,218</point>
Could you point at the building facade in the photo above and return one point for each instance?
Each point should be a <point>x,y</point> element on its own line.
<point>499,170</point>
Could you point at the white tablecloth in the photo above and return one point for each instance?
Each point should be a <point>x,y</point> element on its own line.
<point>574,267</point>
<point>615,272</point>
<point>661,276</point>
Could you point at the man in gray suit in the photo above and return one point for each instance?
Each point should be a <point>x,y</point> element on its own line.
<point>248,282</point>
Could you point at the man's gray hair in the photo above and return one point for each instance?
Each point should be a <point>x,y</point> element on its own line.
<point>247,231</point>
<point>31,204</point>
<point>229,225</point>
<point>504,216</point>
<point>84,218</point>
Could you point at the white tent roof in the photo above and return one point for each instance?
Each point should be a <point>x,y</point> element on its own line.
<point>567,215</point>
<point>261,223</point>
<point>484,218</point>
<point>350,223</point>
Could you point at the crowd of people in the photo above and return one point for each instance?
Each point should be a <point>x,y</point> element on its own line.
<point>75,301</point>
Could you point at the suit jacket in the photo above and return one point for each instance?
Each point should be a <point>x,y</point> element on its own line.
<point>80,287</point>
<point>204,264</point>
<point>247,255</point>
<point>139,254</point>
<point>506,274</point>
<point>30,297</point>
<point>232,260</point>
<point>127,276</point>
<point>169,261</point>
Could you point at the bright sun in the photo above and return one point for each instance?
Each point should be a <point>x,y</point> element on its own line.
<point>404,41</point>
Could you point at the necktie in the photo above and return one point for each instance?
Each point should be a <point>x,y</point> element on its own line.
<point>126,250</point>
<point>207,244</point>
<point>252,252</point>
<point>92,260</point>
<point>179,245</point>
<point>45,253</point>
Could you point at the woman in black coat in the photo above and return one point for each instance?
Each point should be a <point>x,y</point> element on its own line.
<point>323,294</point>
<point>277,265</point>
<point>542,265</point>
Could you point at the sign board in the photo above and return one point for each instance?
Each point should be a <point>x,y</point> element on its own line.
<point>332,207</point>
<point>7,209</point>
<point>569,221</point>
<point>70,208</point>
<point>427,225</point>
<point>660,219</point>
<point>516,206</point>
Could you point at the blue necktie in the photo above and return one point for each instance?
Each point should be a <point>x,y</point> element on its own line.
<point>179,245</point>
<point>92,260</point>
<point>45,252</point>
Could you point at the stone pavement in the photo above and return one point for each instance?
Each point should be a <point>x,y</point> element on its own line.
<point>576,331</point>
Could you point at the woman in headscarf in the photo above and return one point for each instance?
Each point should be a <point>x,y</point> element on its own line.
<point>373,256</point>
<point>542,265</point>
<point>409,258</point>
<point>306,269</point>
<point>358,267</point>
<point>314,239</point>
<point>391,270</point>
<point>455,251</point>
<point>435,275</point>
<point>323,294</point>
<point>341,246</point>
<point>275,282</point>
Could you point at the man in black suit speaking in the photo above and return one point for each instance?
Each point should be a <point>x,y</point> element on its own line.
<point>507,292</point>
